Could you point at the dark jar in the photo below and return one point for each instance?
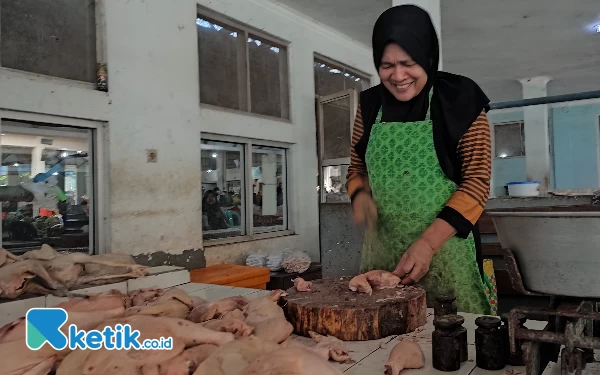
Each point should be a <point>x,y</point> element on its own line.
<point>445,343</point>
<point>513,359</point>
<point>445,304</point>
<point>489,344</point>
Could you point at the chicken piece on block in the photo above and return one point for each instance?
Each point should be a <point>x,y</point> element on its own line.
<point>302,285</point>
<point>291,361</point>
<point>233,358</point>
<point>405,355</point>
<point>364,283</point>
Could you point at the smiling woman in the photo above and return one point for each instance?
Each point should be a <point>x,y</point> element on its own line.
<point>420,164</point>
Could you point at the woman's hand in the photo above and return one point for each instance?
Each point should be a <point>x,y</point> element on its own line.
<point>365,211</point>
<point>414,264</point>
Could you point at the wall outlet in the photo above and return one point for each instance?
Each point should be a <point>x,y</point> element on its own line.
<point>152,156</point>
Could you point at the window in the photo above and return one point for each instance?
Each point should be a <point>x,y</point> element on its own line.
<point>55,38</point>
<point>509,139</point>
<point>332,77</point>
<point>244,189</point>
<point>46,181</point>
<point>241,69</point>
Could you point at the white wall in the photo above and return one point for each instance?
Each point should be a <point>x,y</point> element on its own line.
<point>153,103</point>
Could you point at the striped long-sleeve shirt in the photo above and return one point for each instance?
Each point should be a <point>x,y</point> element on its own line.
<point>474,152</point>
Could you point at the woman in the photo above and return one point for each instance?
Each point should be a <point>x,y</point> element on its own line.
<point>216,217</point>
<point>421,160</point>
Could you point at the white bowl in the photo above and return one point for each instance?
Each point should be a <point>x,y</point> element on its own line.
<point>524,188</point>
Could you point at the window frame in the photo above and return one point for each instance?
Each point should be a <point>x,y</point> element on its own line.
<point>284,65</point>
<point>250,233</point>
<point>521,124</point>
<point>100,208</point>
<point>344,69</point>
<point>100,18</point>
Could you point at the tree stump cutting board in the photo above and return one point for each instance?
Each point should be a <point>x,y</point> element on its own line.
<point>330,308</point>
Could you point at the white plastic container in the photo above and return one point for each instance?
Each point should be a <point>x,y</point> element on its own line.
<point>524,188</point>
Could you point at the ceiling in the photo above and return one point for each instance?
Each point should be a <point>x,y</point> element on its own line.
<point>494,42</point>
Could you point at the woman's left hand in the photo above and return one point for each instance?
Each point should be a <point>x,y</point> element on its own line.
<point>414,264</point>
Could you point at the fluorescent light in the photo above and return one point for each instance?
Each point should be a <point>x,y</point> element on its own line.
<point>79,152</point>
<point>16,165</point>
<point>208,171</point>
<point>214,155</point>
<point>597,28</point>
<point>503,155</point>
<point>64,154</point>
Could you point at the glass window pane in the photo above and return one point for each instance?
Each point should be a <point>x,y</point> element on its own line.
<point>268,78</point>
<point>222,189</point>
<point>509,139</point>
<point>334,184</point>
<point>222,60</point>
<point>336,129</point>
<point>54,164</point>
<point>328,79</point>
<point>56,38</point>
<point>269,190</point>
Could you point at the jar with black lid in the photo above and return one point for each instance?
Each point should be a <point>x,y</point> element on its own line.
<point>489,344</point>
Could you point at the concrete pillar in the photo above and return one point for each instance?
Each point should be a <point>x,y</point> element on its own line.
<point>433,7</point>
<point>537,140</point>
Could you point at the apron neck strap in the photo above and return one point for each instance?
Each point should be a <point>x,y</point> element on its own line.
<point>427,116</point>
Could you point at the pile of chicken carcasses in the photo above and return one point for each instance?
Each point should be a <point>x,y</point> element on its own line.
<point>45,271</point>
<point>231,336</point>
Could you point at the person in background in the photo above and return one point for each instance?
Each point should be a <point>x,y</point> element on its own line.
<point>420,164</point>
<point>216,217</point>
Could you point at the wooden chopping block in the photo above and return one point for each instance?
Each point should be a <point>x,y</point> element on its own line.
<point>330,308</point>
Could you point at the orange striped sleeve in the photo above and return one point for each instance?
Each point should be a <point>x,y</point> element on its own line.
<point>475,153</point>
<point>357,177</point>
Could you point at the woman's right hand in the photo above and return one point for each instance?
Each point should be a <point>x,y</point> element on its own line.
<point>365,211</point>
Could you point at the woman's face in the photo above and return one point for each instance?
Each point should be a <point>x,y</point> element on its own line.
<point>211,199</point>
<point>400,74</point>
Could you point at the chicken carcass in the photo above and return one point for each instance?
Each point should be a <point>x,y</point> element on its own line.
<point>7,257</point>
<point>216,309</point>
<point>233,358</point>
<point>68,269</point>
<point>291,361</point>
<point>85,313</point>
<point>185,334</point>
<point>236,326</point>
<point>188,361</point>
<point>364,283</point>
<point>174,303</point>
<point>275,329</point>
<point>142,297</point>
<point>261,309</point>
<point>18,278</point>
<point>405,355</point>
<point>46,252</point>
<point>302,285</point>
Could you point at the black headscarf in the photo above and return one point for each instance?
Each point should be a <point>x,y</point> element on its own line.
<point>456,102</point>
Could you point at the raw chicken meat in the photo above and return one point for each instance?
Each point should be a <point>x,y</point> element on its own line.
<point>184,334</point>
<point>264,308</point>
<point>234,314</point>
<point>364,283</point>
<point>174,303</point>
<point>86,314</point>
<point>7,257</point>
<point>405,355</point>
<point>291,361</point>
<point>334,346</point>
<point>275,329</point>
<point>216,309</point>
<point>302,285</point>
<point>68,269</point>
<point>142,297</point>
<point>234,357</point>
<point>46,252</point>
<point>17,278</point>
<point>236,326</point>
<point>188,361</point>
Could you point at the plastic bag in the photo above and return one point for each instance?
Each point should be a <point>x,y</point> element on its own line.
<point>256,260</point>
<point>274,260</point>
<point>298,261</point>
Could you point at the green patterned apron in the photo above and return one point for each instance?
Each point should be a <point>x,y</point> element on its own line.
<point>410,189</point>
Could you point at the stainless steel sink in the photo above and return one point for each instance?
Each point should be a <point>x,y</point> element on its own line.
<point>557,248</point>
